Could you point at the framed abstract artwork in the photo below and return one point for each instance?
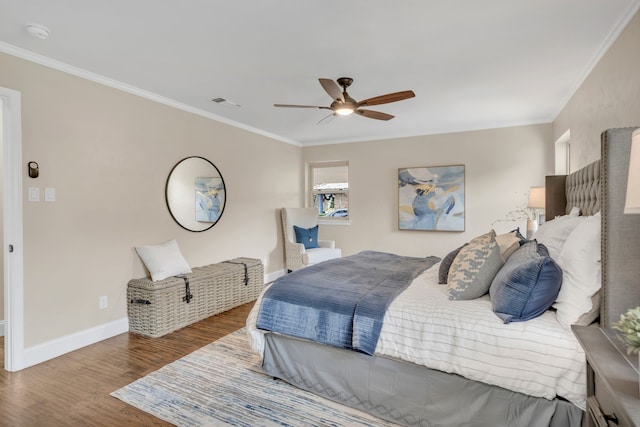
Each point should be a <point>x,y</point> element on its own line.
<point>431,198</point>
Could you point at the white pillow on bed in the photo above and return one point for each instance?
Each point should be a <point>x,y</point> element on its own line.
<point>580,260</point>
<point>163,260</point>
<point>554,233</point>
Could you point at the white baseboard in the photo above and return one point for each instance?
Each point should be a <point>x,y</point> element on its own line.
<point>268,278</point>
<point>57,347</point>
<point>1,328</point>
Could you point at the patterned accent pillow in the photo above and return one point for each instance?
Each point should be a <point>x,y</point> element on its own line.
<point>445,265</point>
<point>527,285</point>
<point>474,268</point>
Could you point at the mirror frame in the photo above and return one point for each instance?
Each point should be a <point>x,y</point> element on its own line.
<point>166,194</point>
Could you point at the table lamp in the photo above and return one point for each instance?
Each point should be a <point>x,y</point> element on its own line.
<point>632,202</point>
<point>536,201</point>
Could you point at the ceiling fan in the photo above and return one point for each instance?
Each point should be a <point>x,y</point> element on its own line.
<point>345,105</point>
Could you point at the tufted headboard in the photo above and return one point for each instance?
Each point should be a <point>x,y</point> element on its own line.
<point>580,189</point>
<point>601,186</point>
<point>620,232</point>
<point>583,189</point>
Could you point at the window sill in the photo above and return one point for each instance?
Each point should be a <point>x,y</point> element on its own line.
<point>333,222</point>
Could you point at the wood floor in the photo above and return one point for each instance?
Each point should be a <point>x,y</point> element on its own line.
<point>73,390</point>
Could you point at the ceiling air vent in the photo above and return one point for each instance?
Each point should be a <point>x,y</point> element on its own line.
<point>225,102</point>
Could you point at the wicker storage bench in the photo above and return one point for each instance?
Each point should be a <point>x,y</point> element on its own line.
<point>157,308</point>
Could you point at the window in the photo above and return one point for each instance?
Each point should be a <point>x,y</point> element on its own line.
<point>563,154</point>
<point>330,189</point>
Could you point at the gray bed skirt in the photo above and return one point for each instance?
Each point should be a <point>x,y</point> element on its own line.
<point>405,393</point>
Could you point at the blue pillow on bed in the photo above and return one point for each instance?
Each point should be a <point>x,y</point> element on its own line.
<point>527,284</point>
<point>307,236</point>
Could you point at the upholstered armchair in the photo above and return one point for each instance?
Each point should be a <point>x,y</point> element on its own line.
<point>296,256</point>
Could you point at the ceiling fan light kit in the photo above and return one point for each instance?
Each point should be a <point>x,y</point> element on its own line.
<point>345,105</point>
<point>344,111</point>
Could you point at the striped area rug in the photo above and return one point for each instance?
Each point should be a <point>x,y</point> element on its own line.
<point>222,384</point>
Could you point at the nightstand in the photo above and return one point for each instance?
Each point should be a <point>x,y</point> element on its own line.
<point>612,379</point>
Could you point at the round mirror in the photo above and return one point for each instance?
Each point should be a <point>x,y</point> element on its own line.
<point>195,194</point>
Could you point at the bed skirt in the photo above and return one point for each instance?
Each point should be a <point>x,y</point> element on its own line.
<point>406,393</point>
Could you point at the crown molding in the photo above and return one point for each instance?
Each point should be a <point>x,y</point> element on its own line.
<point>106,81</point>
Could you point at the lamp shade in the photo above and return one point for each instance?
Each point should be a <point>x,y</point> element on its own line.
<point>632,203</point>
<point>536,198</point>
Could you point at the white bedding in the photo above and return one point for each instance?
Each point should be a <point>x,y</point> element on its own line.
<point>538,357</point>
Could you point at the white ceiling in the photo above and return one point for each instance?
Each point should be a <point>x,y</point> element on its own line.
<point>472,64</point>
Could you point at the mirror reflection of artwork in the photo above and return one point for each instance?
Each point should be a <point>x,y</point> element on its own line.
<point>431,198</point>
<point>195,194</point>
<point>209,193</point>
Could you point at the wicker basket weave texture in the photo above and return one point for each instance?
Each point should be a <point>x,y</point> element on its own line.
<point>157,308</point>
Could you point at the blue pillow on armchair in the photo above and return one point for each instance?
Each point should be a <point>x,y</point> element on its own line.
<point>307,236</point>
<point>527,284</point>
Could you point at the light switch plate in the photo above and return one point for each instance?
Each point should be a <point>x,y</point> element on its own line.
<point>49,194</point>
<point>34,194</point>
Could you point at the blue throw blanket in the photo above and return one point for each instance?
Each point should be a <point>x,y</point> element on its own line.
<point>340,302</point>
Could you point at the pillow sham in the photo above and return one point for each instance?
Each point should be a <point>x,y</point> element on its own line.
<point>508,243</point>
<point>519,235</point>
<point>163,260</point>
<point>445,265</point>
<point>575,211</point>
<point>580,261</point>
<point>590,316</point>
<point>554,233</point>
<point>307,236</point>
<point>527,285</point>
<point>474,268</point>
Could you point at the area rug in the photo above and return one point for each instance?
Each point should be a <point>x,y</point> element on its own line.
<point>222,384</point>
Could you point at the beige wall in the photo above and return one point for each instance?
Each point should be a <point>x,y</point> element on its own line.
<point>1,216</point>
<point>108,154</point>
<point>608,98</point>
<point>500,166</point>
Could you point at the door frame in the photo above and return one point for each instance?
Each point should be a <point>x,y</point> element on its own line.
<point>12,229</point>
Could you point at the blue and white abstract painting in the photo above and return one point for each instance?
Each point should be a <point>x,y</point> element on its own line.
<point>431,198</point>
<point>210,196</point>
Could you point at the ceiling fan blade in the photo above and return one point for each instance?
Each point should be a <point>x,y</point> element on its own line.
<point>332,89</point>
<point>385,99</point>
<point>374,114</point>
<point>300,106</point>
<point>326,119</point>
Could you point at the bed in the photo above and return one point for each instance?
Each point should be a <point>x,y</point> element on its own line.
<point>532,373</point>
